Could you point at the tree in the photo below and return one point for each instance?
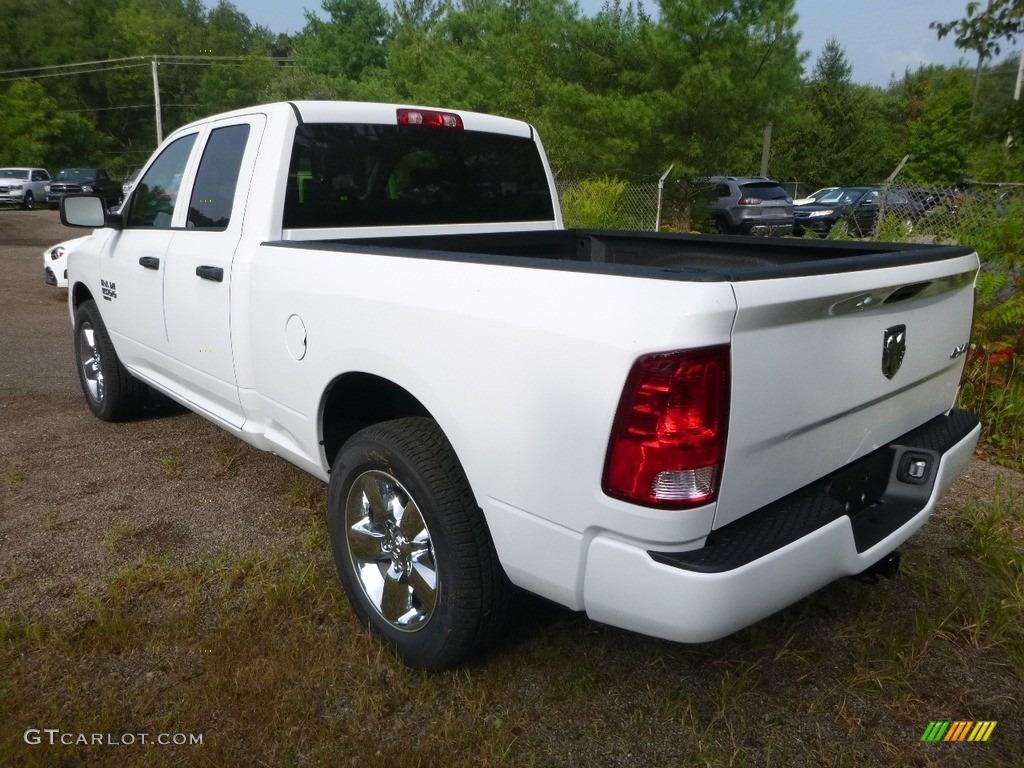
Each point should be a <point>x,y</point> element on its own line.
<point>720,71</point>
<point>984,30</point>
<point>931,122</point>
<point>37,131</point>
<point>350,44</point>
<point>836,132</point>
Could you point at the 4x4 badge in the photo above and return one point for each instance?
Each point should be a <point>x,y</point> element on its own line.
<point>894,347</point>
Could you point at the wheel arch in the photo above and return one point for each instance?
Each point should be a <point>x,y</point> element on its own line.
<point>80,293</point>
<point>356,400</point>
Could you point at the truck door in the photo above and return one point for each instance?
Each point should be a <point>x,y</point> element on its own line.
<point>132,265</point>
<point>197,290</point>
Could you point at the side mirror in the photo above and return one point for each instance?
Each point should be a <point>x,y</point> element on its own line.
<point>87,211</point>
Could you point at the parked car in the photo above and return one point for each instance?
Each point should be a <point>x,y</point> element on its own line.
<point>814,196</point>
<point>747,205</point>
<point>23,186</point>
<point>55,262</point>
<point>855,210</point>
<point>87,181</point>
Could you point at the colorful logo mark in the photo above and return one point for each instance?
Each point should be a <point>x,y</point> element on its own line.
<point>958,730</point>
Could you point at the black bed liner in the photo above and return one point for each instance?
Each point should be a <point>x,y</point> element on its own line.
<point>703,258</point>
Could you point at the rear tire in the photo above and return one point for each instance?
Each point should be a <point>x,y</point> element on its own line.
<point>411,545</point>
<point>111,393</point>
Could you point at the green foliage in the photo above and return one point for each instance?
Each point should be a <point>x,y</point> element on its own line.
<point>937,113</point>
<point>694,87</point>
<point>985,26</point>
<point>836,132</point>
<point>720,71</point>
<point>35,131</point>
<point>224,87</point>
<point>350,44</point>
<point>994,381</point>
<point>596,204</point>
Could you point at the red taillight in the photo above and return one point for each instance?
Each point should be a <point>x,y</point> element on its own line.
<point>668,438</point>
<point>749,201</point>
<point>430,118</point>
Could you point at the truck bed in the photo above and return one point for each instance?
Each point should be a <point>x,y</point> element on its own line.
<point>699,258</point>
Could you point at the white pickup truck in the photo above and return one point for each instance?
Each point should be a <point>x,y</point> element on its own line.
<point>677,434</point>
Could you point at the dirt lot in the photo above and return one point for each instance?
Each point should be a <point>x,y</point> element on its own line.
<point>80,498</point>
<point>87,479</point>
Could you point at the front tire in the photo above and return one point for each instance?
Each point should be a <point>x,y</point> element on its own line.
<point>111,392</point>
<point>29,202</point>
<point>411,546</point>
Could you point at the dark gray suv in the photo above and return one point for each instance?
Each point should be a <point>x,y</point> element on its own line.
<point>746,205</point>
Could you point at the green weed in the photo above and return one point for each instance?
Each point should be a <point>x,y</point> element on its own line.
<point>172,465</point>
<point>14,478</point>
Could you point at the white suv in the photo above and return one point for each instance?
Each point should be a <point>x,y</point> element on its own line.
<point>23,186</point>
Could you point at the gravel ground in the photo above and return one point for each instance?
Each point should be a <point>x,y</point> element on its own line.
<point>82,497</point>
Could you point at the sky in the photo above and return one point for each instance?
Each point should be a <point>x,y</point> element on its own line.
<point>880,38</point>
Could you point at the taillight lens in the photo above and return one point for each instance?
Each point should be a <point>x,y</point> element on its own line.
<point>668,438</point>
<point>749,201</point>
<point>430,118</point>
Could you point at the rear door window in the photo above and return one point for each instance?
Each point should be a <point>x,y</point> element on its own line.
<point>213,195</point>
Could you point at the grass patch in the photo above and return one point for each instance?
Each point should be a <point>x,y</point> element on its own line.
<point>172,466</point>
<point>116,534</point>
<point>227,457</point>
<point>307,493</point>
<point>261,657</point>
<point>993,389</point>
<point>14,478</point>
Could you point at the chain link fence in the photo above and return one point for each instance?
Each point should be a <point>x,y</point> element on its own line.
<point>897,212</point>
<point>608,203</point>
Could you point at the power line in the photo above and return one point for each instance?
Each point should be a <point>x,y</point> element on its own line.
<point>65,74</point>
<point>168,58</point>
<point>102,65</point>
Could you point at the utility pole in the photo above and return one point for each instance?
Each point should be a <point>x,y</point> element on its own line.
<point>156,102</point>
<point>766,149</point>
<point>1010,140</point>
<point>661,189</point>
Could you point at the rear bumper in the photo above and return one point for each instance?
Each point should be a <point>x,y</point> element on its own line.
<point>769,559</point>
<point>767,228</point>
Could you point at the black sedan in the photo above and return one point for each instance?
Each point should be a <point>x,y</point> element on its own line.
<point>855,210</point>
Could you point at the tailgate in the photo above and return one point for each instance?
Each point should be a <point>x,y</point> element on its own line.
<point>825,369</point>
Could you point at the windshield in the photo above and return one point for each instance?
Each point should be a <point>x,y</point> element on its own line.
<point>841,197</point>
<point>76,174</point>
<point>13,173</point>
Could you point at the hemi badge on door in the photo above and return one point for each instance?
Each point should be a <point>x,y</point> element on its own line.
<point>894,347</point>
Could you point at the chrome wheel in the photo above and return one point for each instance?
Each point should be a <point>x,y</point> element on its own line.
<point>391,551</point>
<point>92,363</point>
